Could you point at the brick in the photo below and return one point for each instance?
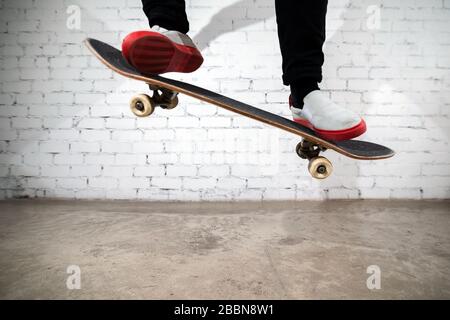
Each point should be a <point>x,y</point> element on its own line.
<point>117,171</point>
<point>26,123</point>
<point>58,123</point>
<point>65,98</point>
<point>162,158</point>
<point>7,134</point>
<point>3,146</point>
<point>22,171</point>
<point>93,74</point>
<point>214,171</point>
<point>80,86</point>
<point>10,158</point>
<point>118,194</point>
<point>113,147</point>
<point>127,135</point>
<point>41,183</point>
<point>230,183</point>
<point>196,158</point>
<point>436,170</point>
<point>166,183</point>
<point>46,86</point>
<point>105,111</point>
<point>91,123</point>
<point>65,74</point>
<point>163,134</point>
<point>103,159</point>
<point>85,170</point>
<point>55,171</point>
<point>77,147</point>
<point>199,183</point>
<point>29,98</point>
<point>64,134</point>
<point>17,87</point>
<point>71,183</point>
<point>103,182</point>
<point>246,171</point>
<point>35,159</point>
<point>183,122</point>
<point>130,159</point>
<point>149,171</point>
<point>42,110</point>
<point>34,74</point>
<point>279,194</point>
<point>68,159</point>
<point>152,123</point>
<point>214,122</point>
<point>88,98</point>
<point>120,123</point>
<point>134,182</point>
<point>181,171</point>
<point>5,123</point>
<point>94,135</point>
<point>148,147</point>
<point>23,146</point>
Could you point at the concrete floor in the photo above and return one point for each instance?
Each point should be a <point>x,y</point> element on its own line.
<point>293,250</point>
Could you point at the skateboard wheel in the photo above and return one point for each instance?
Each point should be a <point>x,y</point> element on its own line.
<point>142,105</point>
<point>320,167</point>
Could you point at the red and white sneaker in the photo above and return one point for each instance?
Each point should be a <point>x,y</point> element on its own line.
<point>159,51</point>
<point>329,120</point>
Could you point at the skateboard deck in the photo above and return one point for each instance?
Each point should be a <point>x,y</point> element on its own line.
<point>165,95</point>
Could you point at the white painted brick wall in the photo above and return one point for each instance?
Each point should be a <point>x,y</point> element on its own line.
<point>66,130</point>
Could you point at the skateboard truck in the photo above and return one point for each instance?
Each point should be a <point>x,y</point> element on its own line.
<point>143,105</point>
<point>319,167</point>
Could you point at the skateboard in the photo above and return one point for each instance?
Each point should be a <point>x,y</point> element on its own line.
<point>164,94</point>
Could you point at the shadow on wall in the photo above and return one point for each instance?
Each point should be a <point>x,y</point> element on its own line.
<point>215,27</point>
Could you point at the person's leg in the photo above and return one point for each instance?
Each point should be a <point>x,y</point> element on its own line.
<point>168,14</point>
<point>301,32</point>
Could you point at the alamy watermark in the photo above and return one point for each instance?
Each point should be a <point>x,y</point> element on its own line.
<point>374,19</point>
<point>73,281</point>
<point>374,280</point>
<point>73,21</point>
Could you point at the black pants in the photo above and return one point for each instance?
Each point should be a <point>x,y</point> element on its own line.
<point>301,32</point>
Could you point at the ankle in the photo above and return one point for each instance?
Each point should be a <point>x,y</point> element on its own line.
<point>300,89</point>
